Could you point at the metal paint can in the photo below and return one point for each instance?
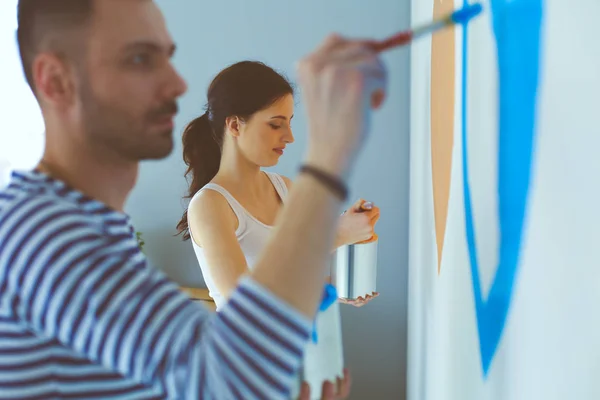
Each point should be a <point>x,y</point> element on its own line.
<point>354,270</point>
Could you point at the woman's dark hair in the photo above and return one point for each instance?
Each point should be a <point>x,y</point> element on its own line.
<point>240,90</point>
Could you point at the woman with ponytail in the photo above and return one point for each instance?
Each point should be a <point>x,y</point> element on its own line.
<point>233,203</point>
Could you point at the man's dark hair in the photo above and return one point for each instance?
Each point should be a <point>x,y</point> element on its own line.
<point>48,25</point>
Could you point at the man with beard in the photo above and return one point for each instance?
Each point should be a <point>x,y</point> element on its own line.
<point>82,312</point>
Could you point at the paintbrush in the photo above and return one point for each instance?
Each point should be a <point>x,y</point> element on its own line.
<point>461,16</point>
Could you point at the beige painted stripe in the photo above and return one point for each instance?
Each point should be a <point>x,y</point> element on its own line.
<point>442,119</point>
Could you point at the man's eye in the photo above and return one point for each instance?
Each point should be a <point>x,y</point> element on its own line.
<point>140,59</point>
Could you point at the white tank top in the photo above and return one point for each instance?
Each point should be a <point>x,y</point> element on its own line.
<point>251,234</point>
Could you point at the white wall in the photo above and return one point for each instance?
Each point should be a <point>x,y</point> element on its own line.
<point>550,346</point>
<point>21,137</point>
<point>211,35</point>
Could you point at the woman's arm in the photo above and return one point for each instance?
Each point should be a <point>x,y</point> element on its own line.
<point>212,225</point>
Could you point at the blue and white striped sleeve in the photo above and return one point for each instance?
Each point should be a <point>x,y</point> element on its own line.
<point>70,282</point>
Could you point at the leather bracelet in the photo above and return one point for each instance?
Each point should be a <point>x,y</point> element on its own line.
<point>332,183</point>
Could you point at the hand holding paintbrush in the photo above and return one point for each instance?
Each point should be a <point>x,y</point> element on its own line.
<point>343,75</point>
<point>461,17</point>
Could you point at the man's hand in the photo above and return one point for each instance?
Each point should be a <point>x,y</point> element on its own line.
<point>338,391</point>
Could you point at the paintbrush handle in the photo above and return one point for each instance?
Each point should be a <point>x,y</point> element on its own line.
<point>403,38</point>
<point>398,39</point>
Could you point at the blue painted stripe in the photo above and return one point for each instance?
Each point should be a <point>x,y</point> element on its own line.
<point>517,29</point>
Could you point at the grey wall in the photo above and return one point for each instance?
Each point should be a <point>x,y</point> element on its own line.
<point>211,35</point>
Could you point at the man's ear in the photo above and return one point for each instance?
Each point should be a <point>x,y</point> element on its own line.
<point>53,80</point>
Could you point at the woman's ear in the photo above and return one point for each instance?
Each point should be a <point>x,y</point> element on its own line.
<point>233,125</point>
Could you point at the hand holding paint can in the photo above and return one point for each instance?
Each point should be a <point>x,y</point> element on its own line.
<point>354,269</point>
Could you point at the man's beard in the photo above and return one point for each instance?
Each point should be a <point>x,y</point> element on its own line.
<point>125,136</point>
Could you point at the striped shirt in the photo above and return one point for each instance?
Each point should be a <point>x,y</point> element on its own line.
<point>83,315</point>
